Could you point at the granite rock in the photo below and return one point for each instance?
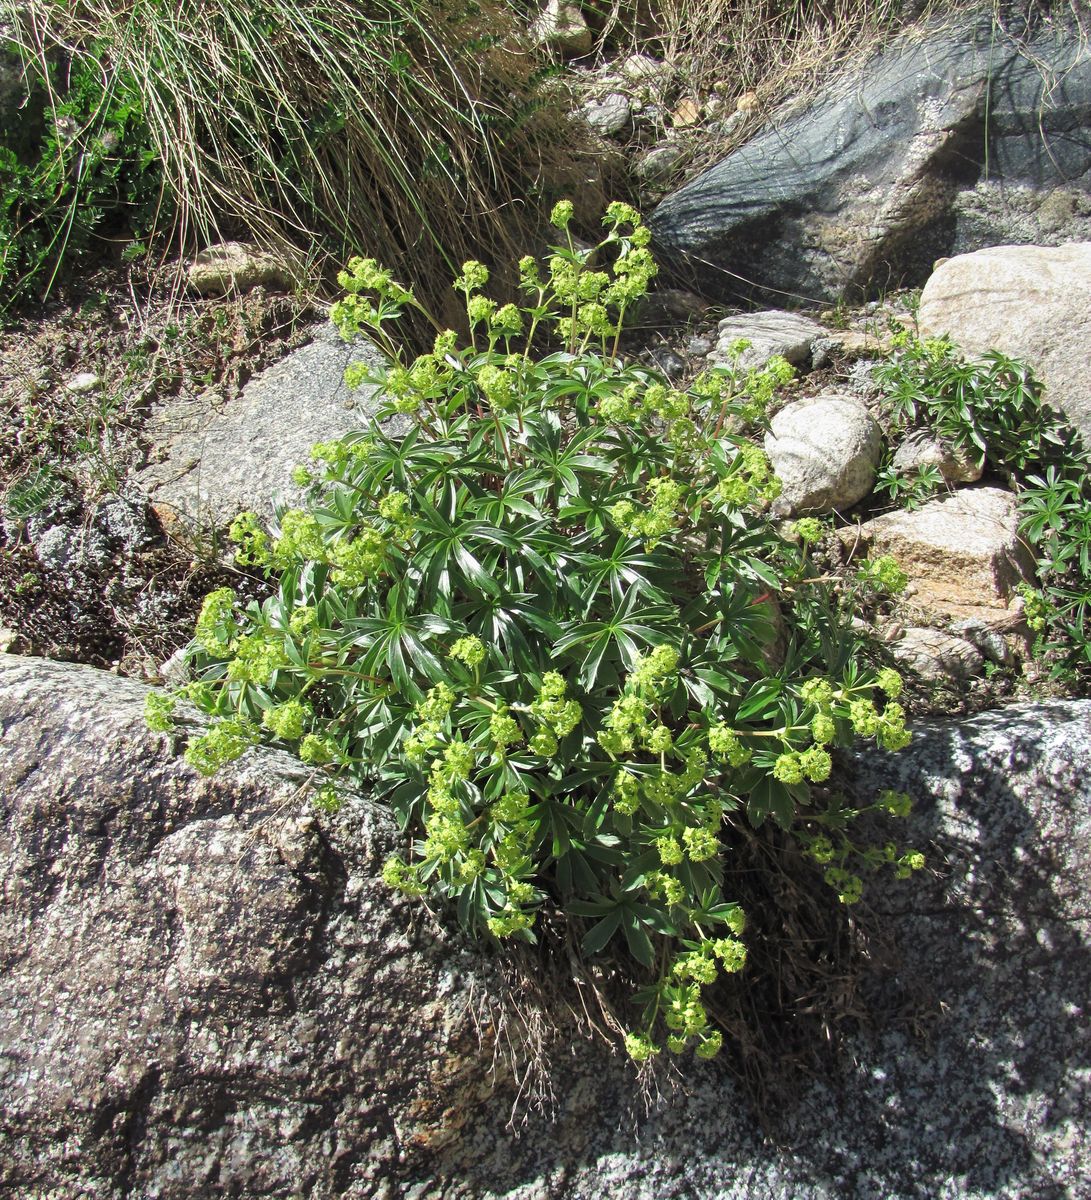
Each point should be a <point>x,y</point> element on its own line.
<point>208,464</point>
<point>206,991</point>
<point>824,451</point>
<point>1032,303</point>
<point>962,553</point>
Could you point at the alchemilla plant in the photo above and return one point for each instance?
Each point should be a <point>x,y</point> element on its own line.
<point>554,626</point>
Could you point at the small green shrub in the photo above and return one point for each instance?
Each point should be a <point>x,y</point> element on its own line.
<point>992,411</point>
<point>544,623</point>
<point>75,169</point>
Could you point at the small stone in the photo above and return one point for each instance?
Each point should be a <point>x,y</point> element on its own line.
<point>989,641</point>
<point>668,362</point>
<point>657,164</point>
<point>561,27</point>
<point>642,68</point>
<point>85,381</point>
<point>772,332</point>
<point>922,450</point>
<point>825,451</point>
<point>686,113</point>
<point>608,116</point>
<point>228,267</point>
<point>938,656</point>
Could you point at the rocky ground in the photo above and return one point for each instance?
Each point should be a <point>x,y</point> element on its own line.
<point>87,571</point>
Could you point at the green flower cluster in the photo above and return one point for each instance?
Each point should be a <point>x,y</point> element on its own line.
<point>217,631</point>
<point>223,743</point>
<point>749,482</point>
<point>657,515</point>
<point>883,574</point>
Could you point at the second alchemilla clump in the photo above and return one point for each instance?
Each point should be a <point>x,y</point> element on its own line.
<point>554,625</point>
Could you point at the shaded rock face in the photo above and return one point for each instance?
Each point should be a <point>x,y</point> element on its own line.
<point>1029,302</point>
<point>210,464</point>
<point>205,993</point>
<point>939,145</point>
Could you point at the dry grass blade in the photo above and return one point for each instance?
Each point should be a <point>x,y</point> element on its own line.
<point>419,134</point>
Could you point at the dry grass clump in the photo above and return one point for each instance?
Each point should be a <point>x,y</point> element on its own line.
<point>418,133</point>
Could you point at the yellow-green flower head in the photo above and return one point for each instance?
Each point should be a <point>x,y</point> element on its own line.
<point>849,887</point>
<point>474,275</point>
<point>788,768</point>
<point>864,717</point>
<point>809,529</point>
<point>500,388</point>
<point>468,650</point>
<point>507,321</point>
<point>480,309</point>
<point>889,681</point>
<point>562,214</point>
<point>223,743</point>
<point>816,764</point>
<point>511,807</point>
<point>820,848</point>
<point>619,213</point>
<point>701,844</point>
<point>360,560</point>
<point>158,708</point>
<point>319,749</point>
<point>216,631</point>
<point>302,620</point>
<point>288,719</point>
<point>823,728</point>
<point>436,704</point>
<point>670,851</point>
<point>731,953</point>
<point>529,278</point>
<point>400,877</point>
<point>724,742</point>
<point>711,1045</point>
<point>640,1047</point>
<point>659,739</point>
<point>504,729</point>
<point>256,660</point>
<point>544,743</point>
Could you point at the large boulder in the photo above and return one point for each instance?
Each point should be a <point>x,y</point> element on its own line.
<point>1030,302</point>
<point>946,141</point>
<point>209,463</point>
<point>207,992</point>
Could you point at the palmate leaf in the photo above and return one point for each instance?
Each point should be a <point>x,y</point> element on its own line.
<point>616,640</point>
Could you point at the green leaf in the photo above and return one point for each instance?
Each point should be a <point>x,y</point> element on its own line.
<point>597,938</point>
